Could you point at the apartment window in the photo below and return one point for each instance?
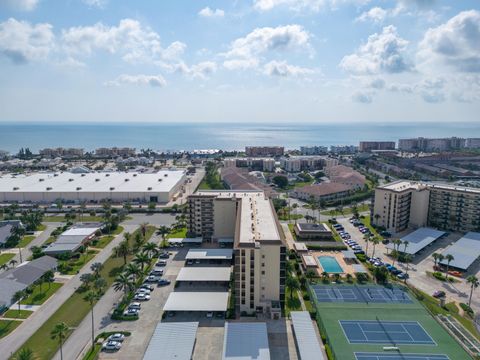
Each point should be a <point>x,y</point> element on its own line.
<point>263,264</point>
<point>263,256</point>
<point>263,272</point>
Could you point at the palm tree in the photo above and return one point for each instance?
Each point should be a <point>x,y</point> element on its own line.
<point>142,259</point>
<point>408,260</point>
<point>324,275</point>
<point>474,283</point>
<point>123,249</point>
<point>123,283</point>
<point>13,262</point>
<point>163,231</point>
<point>91,297</point>
<point>376,217</point>
<point>86,279</point>
<point>96,268</point>
<point>25,354</point>
<point>375,242</point>
<point>367,240</point>
<point>294,207</point>
<point>405,245</point>
<point>293,284</point>
<point>17,298</point>
<point>132,270</point>
<point>441,257</point>
<point>449,258</point>
<point>138,241</point>
<point>4,267</point>
<point>396,246</point>
<point>127,236</point>
<point>435,259</point>
<point>151,249</point>
<point>143,229</point>
<point>349,278</point>
<point>60,332</point>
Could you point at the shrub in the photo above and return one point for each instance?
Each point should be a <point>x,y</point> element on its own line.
<point>361,257</point>
<point>329,352</point>
<point>306,296</point>
<point>466,308</point>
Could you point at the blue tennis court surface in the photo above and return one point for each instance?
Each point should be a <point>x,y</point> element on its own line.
<point>398,356</point>
<point>365,294</point>
<point>385,332</point>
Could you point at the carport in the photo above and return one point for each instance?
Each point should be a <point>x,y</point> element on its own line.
<point>197,301</point>
<point>204,274</point>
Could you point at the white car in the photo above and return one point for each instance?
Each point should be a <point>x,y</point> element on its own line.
<point>116,337</point>
<point>111,346</point>
<point>130,312</point>
<point>142,297</point>
<point>153,278</point>
<point>135,306</point>
<point>143,291</point>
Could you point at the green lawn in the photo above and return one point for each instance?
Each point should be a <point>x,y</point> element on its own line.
<point>41,227</point>
<point>367,223</point>
<point>15,314</point>
<point>180,233</point>
<point>7,326</point>
<point>5,258</point>
<point>61,218</point>
<point>74,265</point>
<point>346,211</point>
<point>104,241</point>
<point>25,241</point>
<point>38,297</point>
<point>73,310</point>
<point>291,303</point>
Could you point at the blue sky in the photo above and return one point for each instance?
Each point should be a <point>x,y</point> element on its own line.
<point>240,61</point>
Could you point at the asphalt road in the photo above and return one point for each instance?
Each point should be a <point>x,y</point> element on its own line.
<point>12,342</point>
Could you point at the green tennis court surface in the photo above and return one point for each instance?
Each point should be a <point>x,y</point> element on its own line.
<point>359,330</point>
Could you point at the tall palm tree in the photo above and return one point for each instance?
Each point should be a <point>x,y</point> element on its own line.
<point>60,332</point>
<point>25,354</point>
<point>92,297</point>
<point>375,241</point>
<point>133,270</point>
<point>96,268</point>
<point>441,257</point>
<point>127,236</point>
<point>17,298</point>
<point>366,237</point>
<point>13,262</point>
<point>293,284</point>
<point>449,258</point>
<point>151,249</point>
<point>405,245</point>
<point>163,231</point>
<point>123,249</point>
<point>435,260</point>
<point>4,267</point>
<point>144,229</point>
<point>123,283</point>
<point>474,283</point>
<point>139,240</point>
<point>142,259</point>
<point>408,260</point>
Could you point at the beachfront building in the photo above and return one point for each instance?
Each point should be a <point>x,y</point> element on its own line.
<point>441,144</point>
<point>115,151</point>
<point>366,146</point>
<point>260,164</point>
<point>249,218</point>
<point>260,151</point>
<point>404,204</point>
<point>313,150</point>
<point>61,152</point>
<point>93,187</point>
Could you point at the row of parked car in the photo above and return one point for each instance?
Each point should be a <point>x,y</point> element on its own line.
<point>376,261</point>
<point>114,342</point>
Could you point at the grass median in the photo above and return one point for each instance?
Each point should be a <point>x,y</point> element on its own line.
<point>17,314</point>
<point>73,310</point>
<point>7,326</point>
<point>5,258</point>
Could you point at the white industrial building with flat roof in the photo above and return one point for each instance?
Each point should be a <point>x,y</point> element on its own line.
<point>157,187</point>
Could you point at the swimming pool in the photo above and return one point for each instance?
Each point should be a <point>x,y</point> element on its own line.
<point>330,264</point>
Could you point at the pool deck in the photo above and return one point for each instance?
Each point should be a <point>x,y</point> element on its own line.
<point>347,268</point>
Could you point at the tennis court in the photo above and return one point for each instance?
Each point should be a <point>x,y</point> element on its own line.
<point>366,294</point>
<point>385,332</point>
<point>397,356</point>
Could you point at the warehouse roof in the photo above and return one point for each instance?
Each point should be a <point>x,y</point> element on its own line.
<point>306,336</point>
<point>206,254</point>
<point>196,301</point>
<point>245,341</point>
<point>173,340</point>
<point>161,181</point>
<point>465,251</point>
<point>418,240</point>
<point>204,274</point>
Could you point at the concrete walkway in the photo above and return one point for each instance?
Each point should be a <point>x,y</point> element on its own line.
<point>13,341</point>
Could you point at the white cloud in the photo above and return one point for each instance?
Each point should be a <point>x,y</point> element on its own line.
<point>377,83</point>
<point>283,69</point>
<point>454,44</point>
<point>201,70</point>
<point>20,5</point>
<point>136,43</point>
<point>22,42</point>
<point>244,52</point>
<point>96,3</point>
<point>141,79</point>
<point>375,14</point>
<point>362,97</point>
<point>307,5</point>
<point>210,13</point>
<point>382,53</point>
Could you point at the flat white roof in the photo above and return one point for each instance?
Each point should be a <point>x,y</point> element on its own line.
<point>172,341</point>
<point>402,185</point>
<point>162,181</point>
<point>307,339</point>
<point>197,240</point>
<point>81,231</point>
<point>309,260</point>
<point>196,301</point>
<point>245,341</point>
<point>204,274</point>
<point>206,254</point>
<point>300,246</point>
<point>417,240</point>
<point>465,251</point>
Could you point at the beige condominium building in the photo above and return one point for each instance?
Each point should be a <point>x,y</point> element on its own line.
<point>404,204</point>
<point>249,219</point>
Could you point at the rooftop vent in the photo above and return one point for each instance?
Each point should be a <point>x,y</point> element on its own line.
<point>97,180</point>
<point>16,188</point>
<point>149,188</point>
<point>55,175</point>
<point>49,188</point>
<point>70,180</point>
<point>127,179</point>
<point>41,180</point>
<point>82,175</point>
<point>107,175</point>
<point>79,188</point>
<point>166,175</point>
<point>134,175</point>
<point>159,180</point>
<point>112,188</point>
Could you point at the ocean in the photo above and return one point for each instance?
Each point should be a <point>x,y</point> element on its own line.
<point>227,136</point>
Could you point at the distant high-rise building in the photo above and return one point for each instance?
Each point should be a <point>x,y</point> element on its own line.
<point>259,151</point>
<point>343,149</point>
<point>440,144</point>
<point>115,151</point>
<point>313,150</point>
<point>59,152</point>
<point>366,146</point>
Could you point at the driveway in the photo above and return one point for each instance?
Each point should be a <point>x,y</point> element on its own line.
<point>12,342</point>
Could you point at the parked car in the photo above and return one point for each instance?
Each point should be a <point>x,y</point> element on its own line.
<point>130,312</point>
<point>358,252</point>
<point>385,234</point>
<point>116,337</point>
<point>164,255</point>
<point>111,346</point>
<point>163,282</point>
<point>403,276</point>
<point>161,263</point>
<point>134,306</point>
<point>439,294</point>
<point>142,297</point>
<point>143,291</point>
<point>147,286</point>
<point>152,278</point>
<point>156,272</point>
